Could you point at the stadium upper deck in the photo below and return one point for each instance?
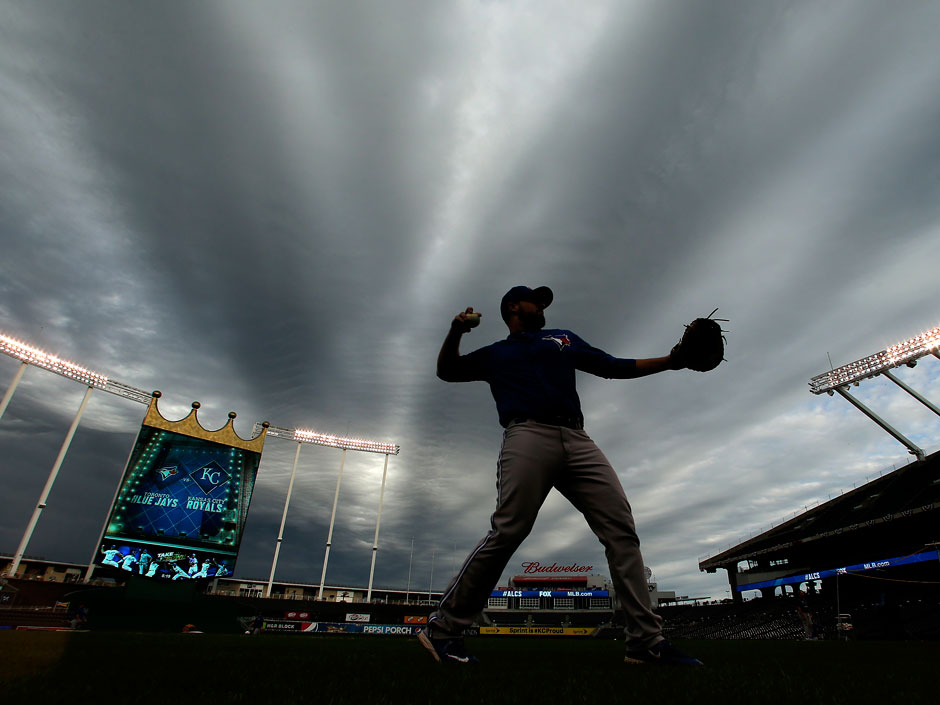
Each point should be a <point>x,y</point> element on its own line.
<point>892,517</point>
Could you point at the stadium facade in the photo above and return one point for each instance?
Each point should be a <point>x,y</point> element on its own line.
<point>875,543</point>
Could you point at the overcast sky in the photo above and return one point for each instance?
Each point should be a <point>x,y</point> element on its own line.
<point>276,209</point>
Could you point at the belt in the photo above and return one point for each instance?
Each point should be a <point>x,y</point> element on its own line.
<point>566,421</point>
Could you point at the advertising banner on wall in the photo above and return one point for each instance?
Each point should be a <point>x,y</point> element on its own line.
<point>340,628</point>
<point>537,631</point>
<point>183,500</point>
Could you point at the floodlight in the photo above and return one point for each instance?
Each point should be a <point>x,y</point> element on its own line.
<point>905,353</point>
<point>39,358</point>
<point>332,441</point>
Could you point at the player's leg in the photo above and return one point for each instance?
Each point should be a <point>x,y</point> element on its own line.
<point>530,456</point>
<point>591,485</point>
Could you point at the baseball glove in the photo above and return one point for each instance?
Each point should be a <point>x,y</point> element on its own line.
<point>702,346</point>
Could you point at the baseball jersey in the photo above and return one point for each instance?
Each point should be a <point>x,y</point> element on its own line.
<point>532,374</point>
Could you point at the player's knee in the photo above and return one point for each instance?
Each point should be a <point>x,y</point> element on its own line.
<point>509,537</point>
<point>619,536</point>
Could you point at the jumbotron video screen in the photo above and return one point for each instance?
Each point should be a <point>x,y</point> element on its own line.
<point>181,508</point>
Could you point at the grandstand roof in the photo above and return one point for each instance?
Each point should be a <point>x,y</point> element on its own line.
<point>908,497</point>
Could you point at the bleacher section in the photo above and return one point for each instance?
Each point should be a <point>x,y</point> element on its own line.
<point>914,619</point>
<point>757,619</point>
<point>36,617</point>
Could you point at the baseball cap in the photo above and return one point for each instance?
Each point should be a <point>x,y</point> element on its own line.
<point>540,295</point>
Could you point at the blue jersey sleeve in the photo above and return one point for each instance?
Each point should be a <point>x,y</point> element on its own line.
<point>597,362</point>
<point>472,367</point>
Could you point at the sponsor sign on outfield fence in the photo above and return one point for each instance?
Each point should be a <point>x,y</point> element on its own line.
<point>286,625</point>
<point>536,631</point>
<point>282,625</point>
<point>340,628</point>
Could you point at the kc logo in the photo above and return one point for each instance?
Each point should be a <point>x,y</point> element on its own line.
<point>209,476</point>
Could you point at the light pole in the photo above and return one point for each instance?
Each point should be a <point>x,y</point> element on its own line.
<point>280,532</point>
<point>30,355</point>
<point>53,473</point>
<point>344,444</point>
<point>375,541</point>
<point>411,560</point>
<point>329,536</point>
<point>431,581</point>
<point>12,388</point>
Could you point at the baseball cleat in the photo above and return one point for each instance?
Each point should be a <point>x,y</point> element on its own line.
<point>446,650</point>
<point>662,653</point>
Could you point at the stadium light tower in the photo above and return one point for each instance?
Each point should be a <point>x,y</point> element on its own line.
<point>343,443</point>
<point>29,355</point>
<point>907,353</point>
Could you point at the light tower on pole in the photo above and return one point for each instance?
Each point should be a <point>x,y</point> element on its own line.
<point>29,355</point>
<point>343,443</point>
<point>880,363</point>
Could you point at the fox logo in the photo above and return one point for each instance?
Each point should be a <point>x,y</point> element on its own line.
<point>562,341</point>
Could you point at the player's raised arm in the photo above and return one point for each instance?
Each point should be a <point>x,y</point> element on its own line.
<point>701,348</point>
<point>652,365</point>
<point>448,360</point>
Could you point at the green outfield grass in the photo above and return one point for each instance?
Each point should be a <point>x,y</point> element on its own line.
<point>169,669</point>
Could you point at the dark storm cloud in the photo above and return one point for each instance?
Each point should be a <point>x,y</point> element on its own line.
<point>276,210</point>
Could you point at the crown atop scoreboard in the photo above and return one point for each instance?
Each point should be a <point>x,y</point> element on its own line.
<point>190,426</point>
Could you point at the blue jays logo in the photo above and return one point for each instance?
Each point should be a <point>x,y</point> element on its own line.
<point>166,473</point>
<point>562,341</point>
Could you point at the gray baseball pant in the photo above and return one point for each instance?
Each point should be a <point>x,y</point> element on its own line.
<point>534,458</point>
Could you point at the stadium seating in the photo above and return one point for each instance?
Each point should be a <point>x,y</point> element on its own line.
<point>46,618</point>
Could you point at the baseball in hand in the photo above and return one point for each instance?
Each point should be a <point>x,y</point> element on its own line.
<point>472,319</point>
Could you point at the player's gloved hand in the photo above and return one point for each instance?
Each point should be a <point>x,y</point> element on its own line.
<point>465,320</point>
<point>702,346</point>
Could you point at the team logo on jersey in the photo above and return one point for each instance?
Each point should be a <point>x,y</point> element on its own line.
<point>562,341</point>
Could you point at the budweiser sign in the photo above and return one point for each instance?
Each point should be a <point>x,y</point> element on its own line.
<point>536,567</point>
